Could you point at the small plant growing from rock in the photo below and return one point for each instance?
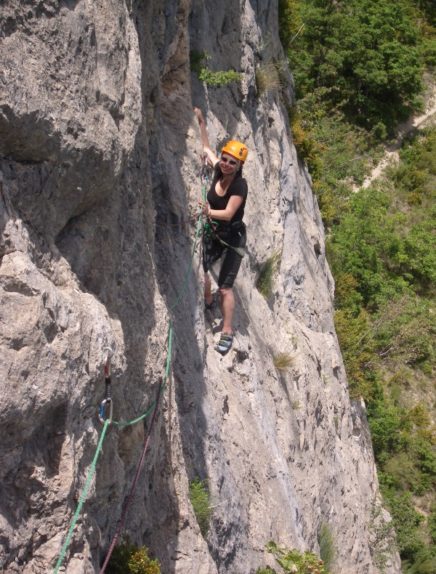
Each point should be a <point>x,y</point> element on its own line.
<point>268,78</point>
<point>326,545</point>
<point>200,500</point>
<point>198,61</point>
<point>296,562</point>
<point>282,361</point>
<point>130,559</point>
<point>264,282</point>
<point>219,78</point>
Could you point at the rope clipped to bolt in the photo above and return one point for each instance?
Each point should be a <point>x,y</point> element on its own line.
<point>105,416</point>
<point>105,411</point>
<point>129,499</point>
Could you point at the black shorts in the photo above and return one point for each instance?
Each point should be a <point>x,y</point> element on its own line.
<point>234,235</point>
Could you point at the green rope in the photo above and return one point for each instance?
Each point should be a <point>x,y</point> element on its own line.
<point>122,521</point>
<point>120,424</point>
<point>82,498</point>
<point>184,287</point>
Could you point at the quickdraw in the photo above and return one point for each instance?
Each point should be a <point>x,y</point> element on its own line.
<point>105,411</point>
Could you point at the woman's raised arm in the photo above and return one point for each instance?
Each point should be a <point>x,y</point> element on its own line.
<point>211,156</point>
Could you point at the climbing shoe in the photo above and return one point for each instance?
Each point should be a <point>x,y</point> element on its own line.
<point>224,344</point>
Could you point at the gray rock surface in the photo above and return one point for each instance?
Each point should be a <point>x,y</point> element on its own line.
<point>100,164</point>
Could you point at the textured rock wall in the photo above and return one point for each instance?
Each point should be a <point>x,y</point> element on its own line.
<point>100,162</point>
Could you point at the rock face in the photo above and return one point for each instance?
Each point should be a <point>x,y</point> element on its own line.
<point>100,167</point>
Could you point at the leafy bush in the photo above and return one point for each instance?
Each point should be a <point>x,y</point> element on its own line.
<point>382,253</point>
<point>351,62</point>
<point>369,52</point>
<point>130,559</point>
<point>198,60</point>
<point>406,522</point>
<point>200,500</point>
<point>336,152</point>
<point>219,78</point>
<point>296,562</point>
<point>198,63</point>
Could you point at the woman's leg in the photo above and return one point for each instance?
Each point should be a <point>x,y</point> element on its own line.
<point>227,302</point>
<point>207,289</point>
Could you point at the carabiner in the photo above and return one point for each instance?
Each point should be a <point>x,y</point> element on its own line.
<point>105,410</point>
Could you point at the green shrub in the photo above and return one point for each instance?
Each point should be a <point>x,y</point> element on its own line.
<point>198,63</point>
<point>130,559</point>
<point>326,546</point>
<point>424,562</point>
<point>296,562</point>
<point>368,52</point>
<point>264,281</point>
<point>345,58</point>
<point>407,523</point>
<point>219,78</point>
<point>198,60</point>
<point>200,500</point>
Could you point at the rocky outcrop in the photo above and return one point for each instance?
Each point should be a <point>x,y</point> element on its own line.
<point>100,164</point>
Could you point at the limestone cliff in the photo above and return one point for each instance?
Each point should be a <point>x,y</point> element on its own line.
<point>100,167</point>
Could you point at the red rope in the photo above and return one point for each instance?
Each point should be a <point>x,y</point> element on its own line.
<point>122,520</point>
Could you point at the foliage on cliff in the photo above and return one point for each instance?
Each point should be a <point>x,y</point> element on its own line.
<point>130,559</point>
<point>366,55</point>
<point>383,255</point>
<point>358,67</point>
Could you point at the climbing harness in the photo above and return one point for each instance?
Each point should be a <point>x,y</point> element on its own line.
<point>239,250</point>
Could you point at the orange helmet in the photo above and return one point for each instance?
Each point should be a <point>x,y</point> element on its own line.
<point>236,149</point>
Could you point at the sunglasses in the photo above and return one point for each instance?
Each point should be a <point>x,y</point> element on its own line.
<point>229,161</point>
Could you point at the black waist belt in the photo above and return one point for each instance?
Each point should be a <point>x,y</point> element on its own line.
<point>228,229</point>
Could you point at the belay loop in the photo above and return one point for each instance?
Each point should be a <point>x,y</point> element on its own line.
<point>105,411</point>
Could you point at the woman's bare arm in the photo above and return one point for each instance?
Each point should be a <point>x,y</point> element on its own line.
<point>211,156</point>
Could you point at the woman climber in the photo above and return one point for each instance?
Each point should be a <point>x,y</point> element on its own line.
<point>227,236</point>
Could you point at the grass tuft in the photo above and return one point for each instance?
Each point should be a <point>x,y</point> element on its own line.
<point>200,499</point>
<point>268,78</point>
<point>326,546</point>
<point>283,361</point>
<point>264,282</point>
